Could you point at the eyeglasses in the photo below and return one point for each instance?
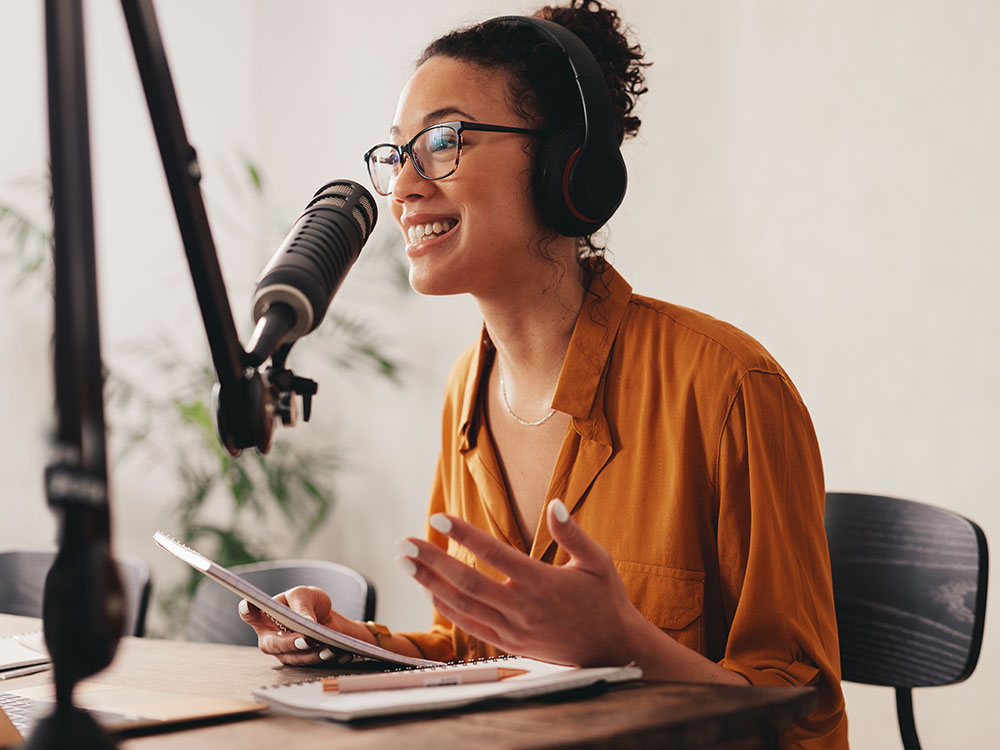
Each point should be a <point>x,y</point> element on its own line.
<point>434,151</point>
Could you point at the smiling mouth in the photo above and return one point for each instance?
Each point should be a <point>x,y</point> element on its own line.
<point>421,232</point>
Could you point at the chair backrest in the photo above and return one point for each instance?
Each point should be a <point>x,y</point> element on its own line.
<point>909,587</point>
<point>212,617</point>
<point>22,586</point>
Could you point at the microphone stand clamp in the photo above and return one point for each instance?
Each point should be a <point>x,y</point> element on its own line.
<point>285,384</point>
<point>246,420</point>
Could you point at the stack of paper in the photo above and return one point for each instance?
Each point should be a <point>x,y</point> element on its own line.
<point>23,654</point>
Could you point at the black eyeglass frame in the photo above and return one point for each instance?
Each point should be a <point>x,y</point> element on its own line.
<point>459,126</point>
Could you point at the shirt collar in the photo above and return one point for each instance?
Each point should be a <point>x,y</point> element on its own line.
<point>596,327</point>
<point>581,377</point>
<point>471,397</point>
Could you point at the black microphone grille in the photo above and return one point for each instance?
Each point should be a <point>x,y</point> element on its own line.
<point>350,197</point>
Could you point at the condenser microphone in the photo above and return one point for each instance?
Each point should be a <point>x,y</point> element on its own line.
<point>296,287</point>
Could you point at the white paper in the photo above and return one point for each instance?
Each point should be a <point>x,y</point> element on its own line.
<point>16,653</point>
<point>307,699</point>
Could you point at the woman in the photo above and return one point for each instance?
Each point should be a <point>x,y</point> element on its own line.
<point>620,479</point>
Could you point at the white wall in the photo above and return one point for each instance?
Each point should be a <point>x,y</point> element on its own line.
<point>824,175</point>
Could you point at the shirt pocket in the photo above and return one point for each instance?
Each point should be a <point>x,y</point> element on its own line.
<point>673,599</point>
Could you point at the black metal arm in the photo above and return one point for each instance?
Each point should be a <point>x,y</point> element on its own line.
<point>83,605</point>
<point>238,407</point>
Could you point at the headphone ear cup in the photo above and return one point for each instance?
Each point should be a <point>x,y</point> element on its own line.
<point>552,183</point>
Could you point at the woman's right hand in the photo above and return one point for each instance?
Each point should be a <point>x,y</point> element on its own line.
<point>295,649</point>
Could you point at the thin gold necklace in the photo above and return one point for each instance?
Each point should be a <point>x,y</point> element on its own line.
<point>506,403</point>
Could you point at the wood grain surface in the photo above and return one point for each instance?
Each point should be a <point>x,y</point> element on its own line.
<point>639,715</point>
<point>909,586</point>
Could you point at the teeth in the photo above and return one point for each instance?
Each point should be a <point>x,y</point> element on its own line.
<point>418,232</point>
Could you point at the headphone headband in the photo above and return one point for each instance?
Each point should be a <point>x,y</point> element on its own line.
<point>581,178</point>
<point>598,112</point>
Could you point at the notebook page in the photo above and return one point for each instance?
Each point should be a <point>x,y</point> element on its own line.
<point>14,653</point>
<point>308,699</point>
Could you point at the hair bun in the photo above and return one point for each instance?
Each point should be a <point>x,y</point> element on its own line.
<point>622,63</point>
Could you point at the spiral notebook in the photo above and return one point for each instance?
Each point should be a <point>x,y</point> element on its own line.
<point>308,700</point>
<point>279,613</point>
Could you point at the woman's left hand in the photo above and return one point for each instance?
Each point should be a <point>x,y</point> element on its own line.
<point>577,613</point>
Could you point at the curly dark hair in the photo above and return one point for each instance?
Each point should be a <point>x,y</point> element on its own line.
<point>538,72</point>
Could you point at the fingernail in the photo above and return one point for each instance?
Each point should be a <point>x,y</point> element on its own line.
<point>301,645</point>
<point>408,548</point>
<point>562,515</point>
<point>310,618</point>
<point>441,522</point>
<point>244,607</point>
<point>345,659</point>
<point>326,654</point>
<point>407,564</point>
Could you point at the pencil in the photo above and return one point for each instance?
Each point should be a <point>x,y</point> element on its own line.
<point>418,678</point>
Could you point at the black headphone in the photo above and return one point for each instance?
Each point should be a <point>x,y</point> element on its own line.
<point>580,174</point>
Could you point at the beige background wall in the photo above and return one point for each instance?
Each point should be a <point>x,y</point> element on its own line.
<point>826,175</point>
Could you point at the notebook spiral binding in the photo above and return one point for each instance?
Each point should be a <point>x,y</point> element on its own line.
<point>435,668</point>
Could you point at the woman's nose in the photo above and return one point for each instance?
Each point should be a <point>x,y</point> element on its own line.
<point>409,184</point>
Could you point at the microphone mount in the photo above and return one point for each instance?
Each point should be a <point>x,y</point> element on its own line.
<point>268,340</point>
<point>286,385</point>
<point>263,396</point>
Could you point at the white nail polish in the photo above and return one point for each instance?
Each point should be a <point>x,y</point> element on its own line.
<point>310,618</point>
<point>300,644</point>
<point>441,522</point>
<point>325,655</point>
<point>244,607</point>
<point>407,565</point>
<point>562,515</point>
<point>345,659</point>
<point>408,548</point>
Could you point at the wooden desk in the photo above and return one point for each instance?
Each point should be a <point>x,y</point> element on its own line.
<point>641,715</point>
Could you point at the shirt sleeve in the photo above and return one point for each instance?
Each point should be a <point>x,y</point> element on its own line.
<point>438,643</point>
<point>774,564</point>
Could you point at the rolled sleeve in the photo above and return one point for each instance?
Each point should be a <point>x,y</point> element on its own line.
<point>774,563</point>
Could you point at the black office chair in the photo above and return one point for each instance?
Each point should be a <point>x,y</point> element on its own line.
<point>22,585</point>
<point>909,585</point>
<point>212,617</point>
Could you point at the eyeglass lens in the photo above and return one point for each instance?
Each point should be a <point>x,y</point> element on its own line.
<point>434,152</point>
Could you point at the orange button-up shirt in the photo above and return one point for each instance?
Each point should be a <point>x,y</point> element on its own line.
<point>691,458</point>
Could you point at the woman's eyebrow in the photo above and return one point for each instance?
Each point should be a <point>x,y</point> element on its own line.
<point>437,116</point>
